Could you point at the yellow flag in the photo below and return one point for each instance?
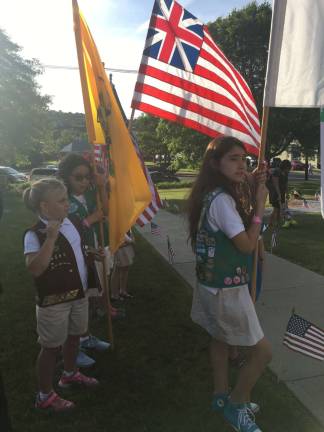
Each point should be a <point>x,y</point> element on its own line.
<point>129,190</point>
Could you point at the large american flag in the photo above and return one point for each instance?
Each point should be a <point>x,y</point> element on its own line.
<point>304,337</point>
<point>186,78</point>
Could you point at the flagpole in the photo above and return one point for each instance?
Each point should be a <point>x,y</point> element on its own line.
<point>77,32</point>
<point>130,123</point>
<point>264,129</point>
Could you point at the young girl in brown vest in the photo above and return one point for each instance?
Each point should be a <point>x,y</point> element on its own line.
<point>56,257</point>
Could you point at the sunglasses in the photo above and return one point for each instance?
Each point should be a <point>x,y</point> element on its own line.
<point>80,178</point>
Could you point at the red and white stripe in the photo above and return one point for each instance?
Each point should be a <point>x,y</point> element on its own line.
<point>213,99</point>
<point>154,206</point>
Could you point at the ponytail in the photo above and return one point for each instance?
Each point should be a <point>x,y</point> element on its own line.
<point>35,194</point>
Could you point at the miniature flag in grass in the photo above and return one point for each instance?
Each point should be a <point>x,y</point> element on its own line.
<point>155,229</point>
<point>171,252</point>
<point>274,239</point>
<point>304,337</point>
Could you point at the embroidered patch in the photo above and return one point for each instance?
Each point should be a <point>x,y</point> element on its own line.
<point>211,252</point>
<point>236,280</point>
<point>73,207</point>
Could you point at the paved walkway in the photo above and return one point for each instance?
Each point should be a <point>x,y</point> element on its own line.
<point>288,286</point>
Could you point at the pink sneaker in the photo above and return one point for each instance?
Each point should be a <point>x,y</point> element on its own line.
<point>77,379</point>
<point>54,403</point>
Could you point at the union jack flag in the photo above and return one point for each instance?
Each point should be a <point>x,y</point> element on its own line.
<point>184,77</point>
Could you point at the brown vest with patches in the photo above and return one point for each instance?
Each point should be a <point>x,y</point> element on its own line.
<point>61,282</point>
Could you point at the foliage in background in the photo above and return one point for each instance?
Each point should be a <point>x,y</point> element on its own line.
<point>22,108</point>
<point>62,129</point>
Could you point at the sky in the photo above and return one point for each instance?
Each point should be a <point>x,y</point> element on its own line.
<point>44,30</point>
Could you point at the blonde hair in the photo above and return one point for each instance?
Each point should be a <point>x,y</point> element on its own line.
<point>37,192</point>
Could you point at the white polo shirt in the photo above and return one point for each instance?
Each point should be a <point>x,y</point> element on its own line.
<point>68,230</point>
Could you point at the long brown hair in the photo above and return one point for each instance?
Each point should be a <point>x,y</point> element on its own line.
<point>209,178</point>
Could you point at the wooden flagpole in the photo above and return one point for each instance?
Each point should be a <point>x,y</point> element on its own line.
<point>87,105</point>
<point>130,123</point>
<point>264,128</point>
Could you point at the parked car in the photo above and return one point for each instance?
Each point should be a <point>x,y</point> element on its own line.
<point>12,175</point>
<point>297,165</point>
<point>38,173</point>
<point>158,177</point>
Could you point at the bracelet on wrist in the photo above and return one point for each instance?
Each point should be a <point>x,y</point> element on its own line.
<point>256,220</point>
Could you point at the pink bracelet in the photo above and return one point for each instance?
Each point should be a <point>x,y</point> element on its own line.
<point>86,223</point>
<point>256,220</point>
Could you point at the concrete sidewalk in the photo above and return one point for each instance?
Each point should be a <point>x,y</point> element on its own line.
<point>286,285</point>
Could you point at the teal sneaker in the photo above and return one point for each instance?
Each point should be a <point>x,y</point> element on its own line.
<point>220,400</point>
<point>240,418</point>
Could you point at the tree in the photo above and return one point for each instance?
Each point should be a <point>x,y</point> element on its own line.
<point>22,107</point>
<point>149,144</point>
<point>62,129</point>
<point>185,146</point>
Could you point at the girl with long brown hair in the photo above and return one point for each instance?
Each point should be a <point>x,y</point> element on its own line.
<point>224,229</point>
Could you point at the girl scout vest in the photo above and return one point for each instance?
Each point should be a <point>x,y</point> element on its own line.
<point>219,264</point>
<point>61,282</point>
<point>79,210</point>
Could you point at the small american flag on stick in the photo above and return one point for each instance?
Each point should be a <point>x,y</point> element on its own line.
<point>304,337</point>
<point>155,229</point>
<point>274,239</point>
<point>171,252</point>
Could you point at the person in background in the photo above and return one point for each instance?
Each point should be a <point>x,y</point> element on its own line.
<point>277,185</point>
<point>122,261</point>
<point>77,175</point>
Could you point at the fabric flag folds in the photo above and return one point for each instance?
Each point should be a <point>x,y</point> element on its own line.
<point>184,77</point>
<point>304,337</point>
<point>129,192</point>
<point>296,61</point>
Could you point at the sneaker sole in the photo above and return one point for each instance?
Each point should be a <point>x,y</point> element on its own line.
<point>77,385</point>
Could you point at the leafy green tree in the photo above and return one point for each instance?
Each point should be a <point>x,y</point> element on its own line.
<point>22,106</point>
<point>149,143</point>
<point>62,129</point>
<point>185,146</point>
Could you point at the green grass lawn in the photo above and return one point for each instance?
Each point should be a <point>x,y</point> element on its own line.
<point>158,377</point>
<point>306,188</point>
<point>302,244</point>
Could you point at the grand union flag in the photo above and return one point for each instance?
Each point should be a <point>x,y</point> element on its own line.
<point>185,77</point>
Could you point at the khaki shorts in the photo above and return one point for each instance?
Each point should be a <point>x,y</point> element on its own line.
<point>56,323</point>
